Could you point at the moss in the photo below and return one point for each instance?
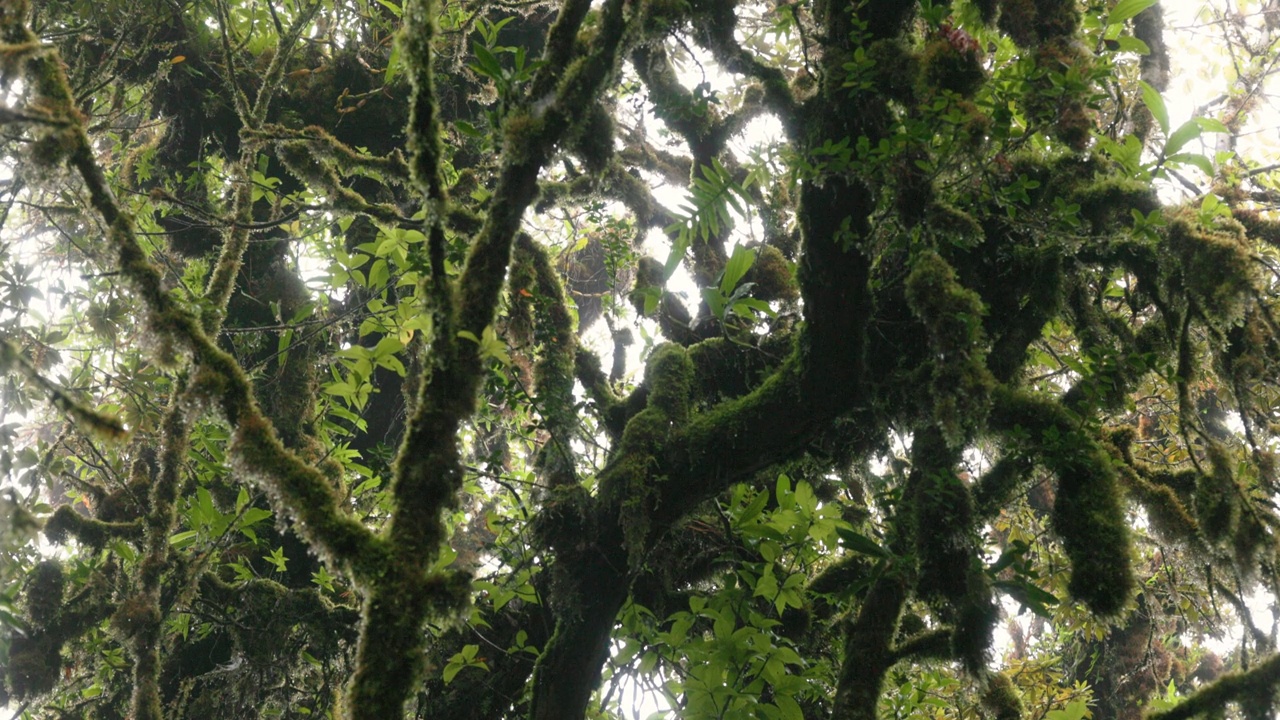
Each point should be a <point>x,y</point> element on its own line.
<point>630,483</point>
<point>1257,226</point>
<point>423,127</point>
<point>1215,268</point>
<point>1089,518</point>
<point>1217,497</point>
<point>1107,200</point>
<point>669,377</point>
<point>914,191</point>
<point>998,484</point>
<point>1018,21</point>
<point>66,523</point>
<point>53,148</point>
<point>45,586</point>
<point>950,574</point>
<point>1074,125</point>
<point>1168,515</point>
<point>947,66</point>
<point>137,613</point>
<point>555,344</point>
<point>896,68</point>
<point>975,623</point>
<point>1000,698</point>
<point>952,316</point>
<point>342,539</point>
<point>34,664</point>
<point>773,275</point>
<point>1248,542</point>
<point>942,533</point>
<point>593,141</point>
<point>1255,690</point>
<point>1087,513</point>
<point>885,18</point>
<point>1056,18</point>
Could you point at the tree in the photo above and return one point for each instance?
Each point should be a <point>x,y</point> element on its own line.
<point>305,305</point>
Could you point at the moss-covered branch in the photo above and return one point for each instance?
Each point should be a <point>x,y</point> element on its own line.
<point>553,369</point>
<point>1087,512</point>
<point>1254,690</point>
<point>302,490</point>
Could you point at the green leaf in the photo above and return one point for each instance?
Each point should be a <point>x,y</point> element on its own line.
<point>737,266</point>
<point>861,543</point>
<point>1185,133</point>
<point>393,65</point>
<point>1199,161</point>
<point>678,247</point>
<point>783,491</point>
<point>789,707</point>
<point>1074,710</point>
<point>1151,98</point>
<point>488,62</point>
<point>1211,125</point>
<point>1128,43</point>
<point>752,511</point>
<point>393,7</point>
<point>1028,594</point>
<point>767,585</point>
<point>1126,9</point>
<point>715,301</point>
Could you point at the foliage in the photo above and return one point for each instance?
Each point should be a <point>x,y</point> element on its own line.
<point>942,361</point>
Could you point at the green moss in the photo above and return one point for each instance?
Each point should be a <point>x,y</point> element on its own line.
<point>593,141</point>
<point>1167,513</point>
<point>136,614</point>
<point>1000,698</point>
<point>1018,21</point>
<point>943,535</point>
<point>896,68</point>
<point>1089,518</point>
<point>975,623</point>
<point>1217,497</point>
<point>669,377</point>
<point>567,517</point>
<point>342,539</point>
<point>952,316</point>
<point>66,523</point>
<point>34,664</point>
<point>52,148</point>
<point>45,586</point>
<point>1087,514</point>
<point>1257,226</point>
<point>944,66</point>
<point>885,18</point>
<point>773,275</point>
<point>998,484</point>
<point>1056,18</point>
<point>1074,125</point>
<point>1215,268</point>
